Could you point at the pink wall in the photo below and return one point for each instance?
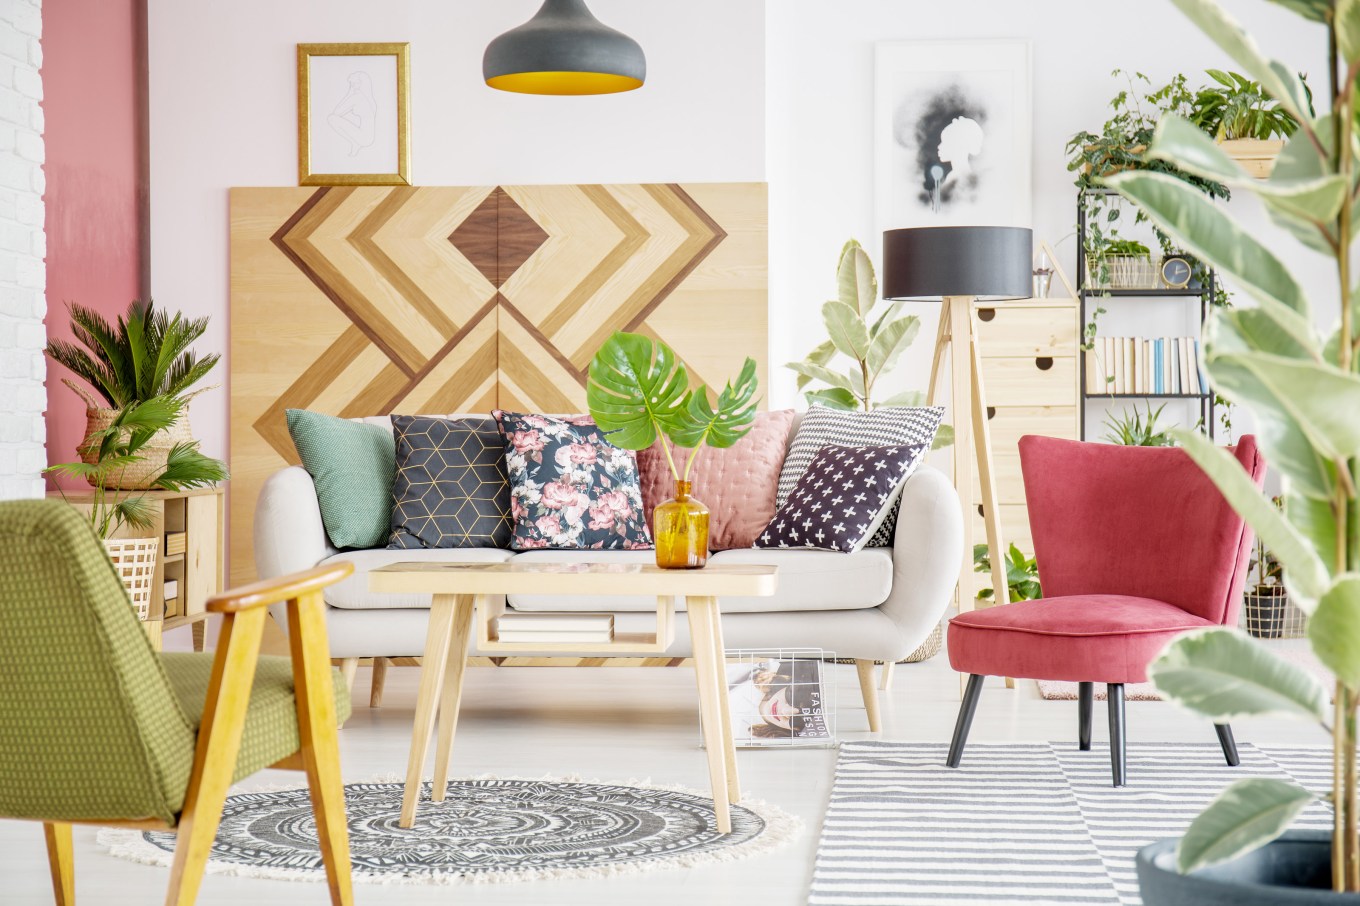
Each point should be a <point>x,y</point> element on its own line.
<point>94,104</point>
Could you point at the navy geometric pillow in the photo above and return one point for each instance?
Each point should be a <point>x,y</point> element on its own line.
<point>451,488</point>
<point>843,497</point>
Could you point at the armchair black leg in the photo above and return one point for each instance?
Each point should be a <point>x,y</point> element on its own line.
<point>1086,703</point>
<point>1225,739</point>
<point>1118,765</point>
<point>965,720</point>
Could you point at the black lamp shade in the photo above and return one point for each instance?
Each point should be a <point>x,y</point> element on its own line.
<point>564,49</point>
<point>987,262</point>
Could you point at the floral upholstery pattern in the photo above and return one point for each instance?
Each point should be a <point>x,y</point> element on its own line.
<point>570,488</point>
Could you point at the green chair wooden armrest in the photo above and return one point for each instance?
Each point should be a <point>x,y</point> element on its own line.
<point>98,728</point>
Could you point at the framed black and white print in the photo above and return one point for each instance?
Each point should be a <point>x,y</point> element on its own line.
<point>953,123</point>
<point>354,119</point>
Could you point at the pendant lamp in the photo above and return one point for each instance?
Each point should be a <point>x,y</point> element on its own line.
<point>564,49</point>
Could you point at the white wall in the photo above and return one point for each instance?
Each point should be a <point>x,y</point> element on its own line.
<point>820,132</point>
<point>23,301</point>
<point>223,113</point>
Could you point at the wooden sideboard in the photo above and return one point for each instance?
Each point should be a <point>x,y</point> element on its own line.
<point>197,570</point>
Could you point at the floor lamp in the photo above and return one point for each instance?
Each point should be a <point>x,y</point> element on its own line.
<point>960,266</point>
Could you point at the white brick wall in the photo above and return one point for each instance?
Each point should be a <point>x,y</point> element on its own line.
<point>23,275</point>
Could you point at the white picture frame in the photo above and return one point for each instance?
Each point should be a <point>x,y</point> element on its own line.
<point>953,125</point>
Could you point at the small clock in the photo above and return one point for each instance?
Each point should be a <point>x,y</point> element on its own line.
<point>1176,272</point>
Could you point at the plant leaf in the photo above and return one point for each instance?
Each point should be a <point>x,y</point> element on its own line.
<point>834,398</point>
<point>1346,19</point>
<point>1303,565</point>
<point>819,373</point>
<point>1225,675</point>
<point>1206,231</point>
<point>1316,10</point>
<point>892,340</point>
<point>722,425</point>
<point>1248,814</point>
<point>1335,632</point>
<point>1278,80</point>
<point>856,285</point>
<point>944,437</point>
<point>1320,399</point>
<point>820,355</point>
<point>905,398</point>
<point>636,388</point>
<point>846,329</point>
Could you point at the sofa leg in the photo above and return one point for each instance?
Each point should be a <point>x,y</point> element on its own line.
<point>869,689</point>
<point>375,692</point>
<point>1086,704</point>
<point>1225,739</point>
<point>886,683</point>
<point>1118,762</point>
<point>965,720</point>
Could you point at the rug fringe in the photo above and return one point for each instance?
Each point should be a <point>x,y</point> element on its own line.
<point>781,828</point>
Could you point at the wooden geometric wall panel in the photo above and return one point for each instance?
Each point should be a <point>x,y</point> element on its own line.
<point>430,300</point>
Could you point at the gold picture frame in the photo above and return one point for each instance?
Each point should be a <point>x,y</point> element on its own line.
<point>368,128</point>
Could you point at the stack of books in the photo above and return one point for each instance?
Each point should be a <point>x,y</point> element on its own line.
<point>542,628</point>
<point>1144,365</point>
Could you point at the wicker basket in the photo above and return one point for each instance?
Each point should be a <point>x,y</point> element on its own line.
<point>1124,272</point>
<point>1272,617</point>
<point>141,474</point>
<point>928,649</point>
<point>134,559</point>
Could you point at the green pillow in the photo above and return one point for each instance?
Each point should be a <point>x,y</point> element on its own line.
<point>353,465</point>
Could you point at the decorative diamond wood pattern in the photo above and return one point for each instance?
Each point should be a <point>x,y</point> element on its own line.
<point>430,300</point>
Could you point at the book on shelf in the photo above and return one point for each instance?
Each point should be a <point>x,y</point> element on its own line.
<point>537,637</point>
<point>1137,366</point>
<point>555,627</point>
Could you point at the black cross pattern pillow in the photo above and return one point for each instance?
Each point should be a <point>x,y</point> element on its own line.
<point>843,497</point>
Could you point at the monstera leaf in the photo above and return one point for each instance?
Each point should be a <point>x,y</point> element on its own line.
<point>637,388</point>
<point>725,424</point>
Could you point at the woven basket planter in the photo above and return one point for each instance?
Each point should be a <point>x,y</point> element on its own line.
<point>142,474</point>
<point>134,559</point>
<point>928,649</point>
<point>1272,617</point>
<point>1124,272</point>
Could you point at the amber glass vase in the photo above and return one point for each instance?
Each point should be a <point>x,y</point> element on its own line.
<point>681,529</point>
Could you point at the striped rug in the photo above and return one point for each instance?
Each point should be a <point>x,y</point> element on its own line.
<point>1020,823</point>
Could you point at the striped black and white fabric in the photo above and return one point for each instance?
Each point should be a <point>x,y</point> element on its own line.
<point>1021,823</point>
<point>821,426</point>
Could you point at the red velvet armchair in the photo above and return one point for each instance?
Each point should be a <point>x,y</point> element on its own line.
<point>1135,545</point>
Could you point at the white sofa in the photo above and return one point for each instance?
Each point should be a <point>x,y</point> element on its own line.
<point>876,605</point>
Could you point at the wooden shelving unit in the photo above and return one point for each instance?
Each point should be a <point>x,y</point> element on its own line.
<point>198,571</point>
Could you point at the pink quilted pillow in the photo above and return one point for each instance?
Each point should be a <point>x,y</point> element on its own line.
<point>737,484</point>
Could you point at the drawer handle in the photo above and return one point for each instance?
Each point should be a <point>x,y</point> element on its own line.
<point>1043,362</point>
<point>980,512</point>
<point>986,314</point>
<point>991,413</point>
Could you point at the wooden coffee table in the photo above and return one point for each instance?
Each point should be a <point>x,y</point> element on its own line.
<point>461,597</point>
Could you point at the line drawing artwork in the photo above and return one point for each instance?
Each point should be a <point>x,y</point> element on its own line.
<point>355,117</point>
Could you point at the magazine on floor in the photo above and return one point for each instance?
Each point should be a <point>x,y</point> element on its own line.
<point>777,701</point>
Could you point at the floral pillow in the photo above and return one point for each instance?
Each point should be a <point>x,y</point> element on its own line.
<point>570,489</point>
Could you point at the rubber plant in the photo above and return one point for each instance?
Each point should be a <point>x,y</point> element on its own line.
<point>872,339</point>
<point>1303,389</point>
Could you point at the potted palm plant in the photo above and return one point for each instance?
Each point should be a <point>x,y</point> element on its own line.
<point>118,446</point>
<point>639,391</point>
<point>1248,123</point>
<point>1303,388</point>
<point>144,355</point>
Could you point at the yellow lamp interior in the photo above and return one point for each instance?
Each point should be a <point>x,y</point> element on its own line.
<point>564,82</point>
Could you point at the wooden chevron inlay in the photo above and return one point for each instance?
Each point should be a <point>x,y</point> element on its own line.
<point>369,300</point>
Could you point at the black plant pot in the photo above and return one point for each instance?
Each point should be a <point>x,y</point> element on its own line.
<point>1295,869</point>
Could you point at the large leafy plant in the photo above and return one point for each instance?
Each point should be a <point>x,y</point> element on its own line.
<point>120,446</point>
<point>639,390</point>
<point>1238,107</point>
<point>145,354</point>
<point>1022,573</point>
<point>1303,389</point>
<point>873,339</point>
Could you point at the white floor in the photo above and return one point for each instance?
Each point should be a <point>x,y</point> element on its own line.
<point>617,724</point>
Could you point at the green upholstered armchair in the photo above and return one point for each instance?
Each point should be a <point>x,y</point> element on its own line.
<point>98,728</point>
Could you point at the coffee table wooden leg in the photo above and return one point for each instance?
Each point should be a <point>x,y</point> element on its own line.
<point>432,668</point>
<point>720,669</point>
<point>452,695</point>
<point>700,612</point>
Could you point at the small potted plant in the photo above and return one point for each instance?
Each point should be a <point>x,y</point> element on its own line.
<point>1266,611</point>
<point>143,356</point>
<point>1138,429</point>
<point>1022,574</point>
<point>121,445</point>
<point>639,391</point>
<point>1122,264</point>
<point>1248,123</point>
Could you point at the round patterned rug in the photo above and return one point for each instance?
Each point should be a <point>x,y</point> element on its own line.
<point>484,830</point>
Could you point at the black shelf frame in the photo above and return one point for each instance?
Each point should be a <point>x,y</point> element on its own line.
<point>1085,293</point>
